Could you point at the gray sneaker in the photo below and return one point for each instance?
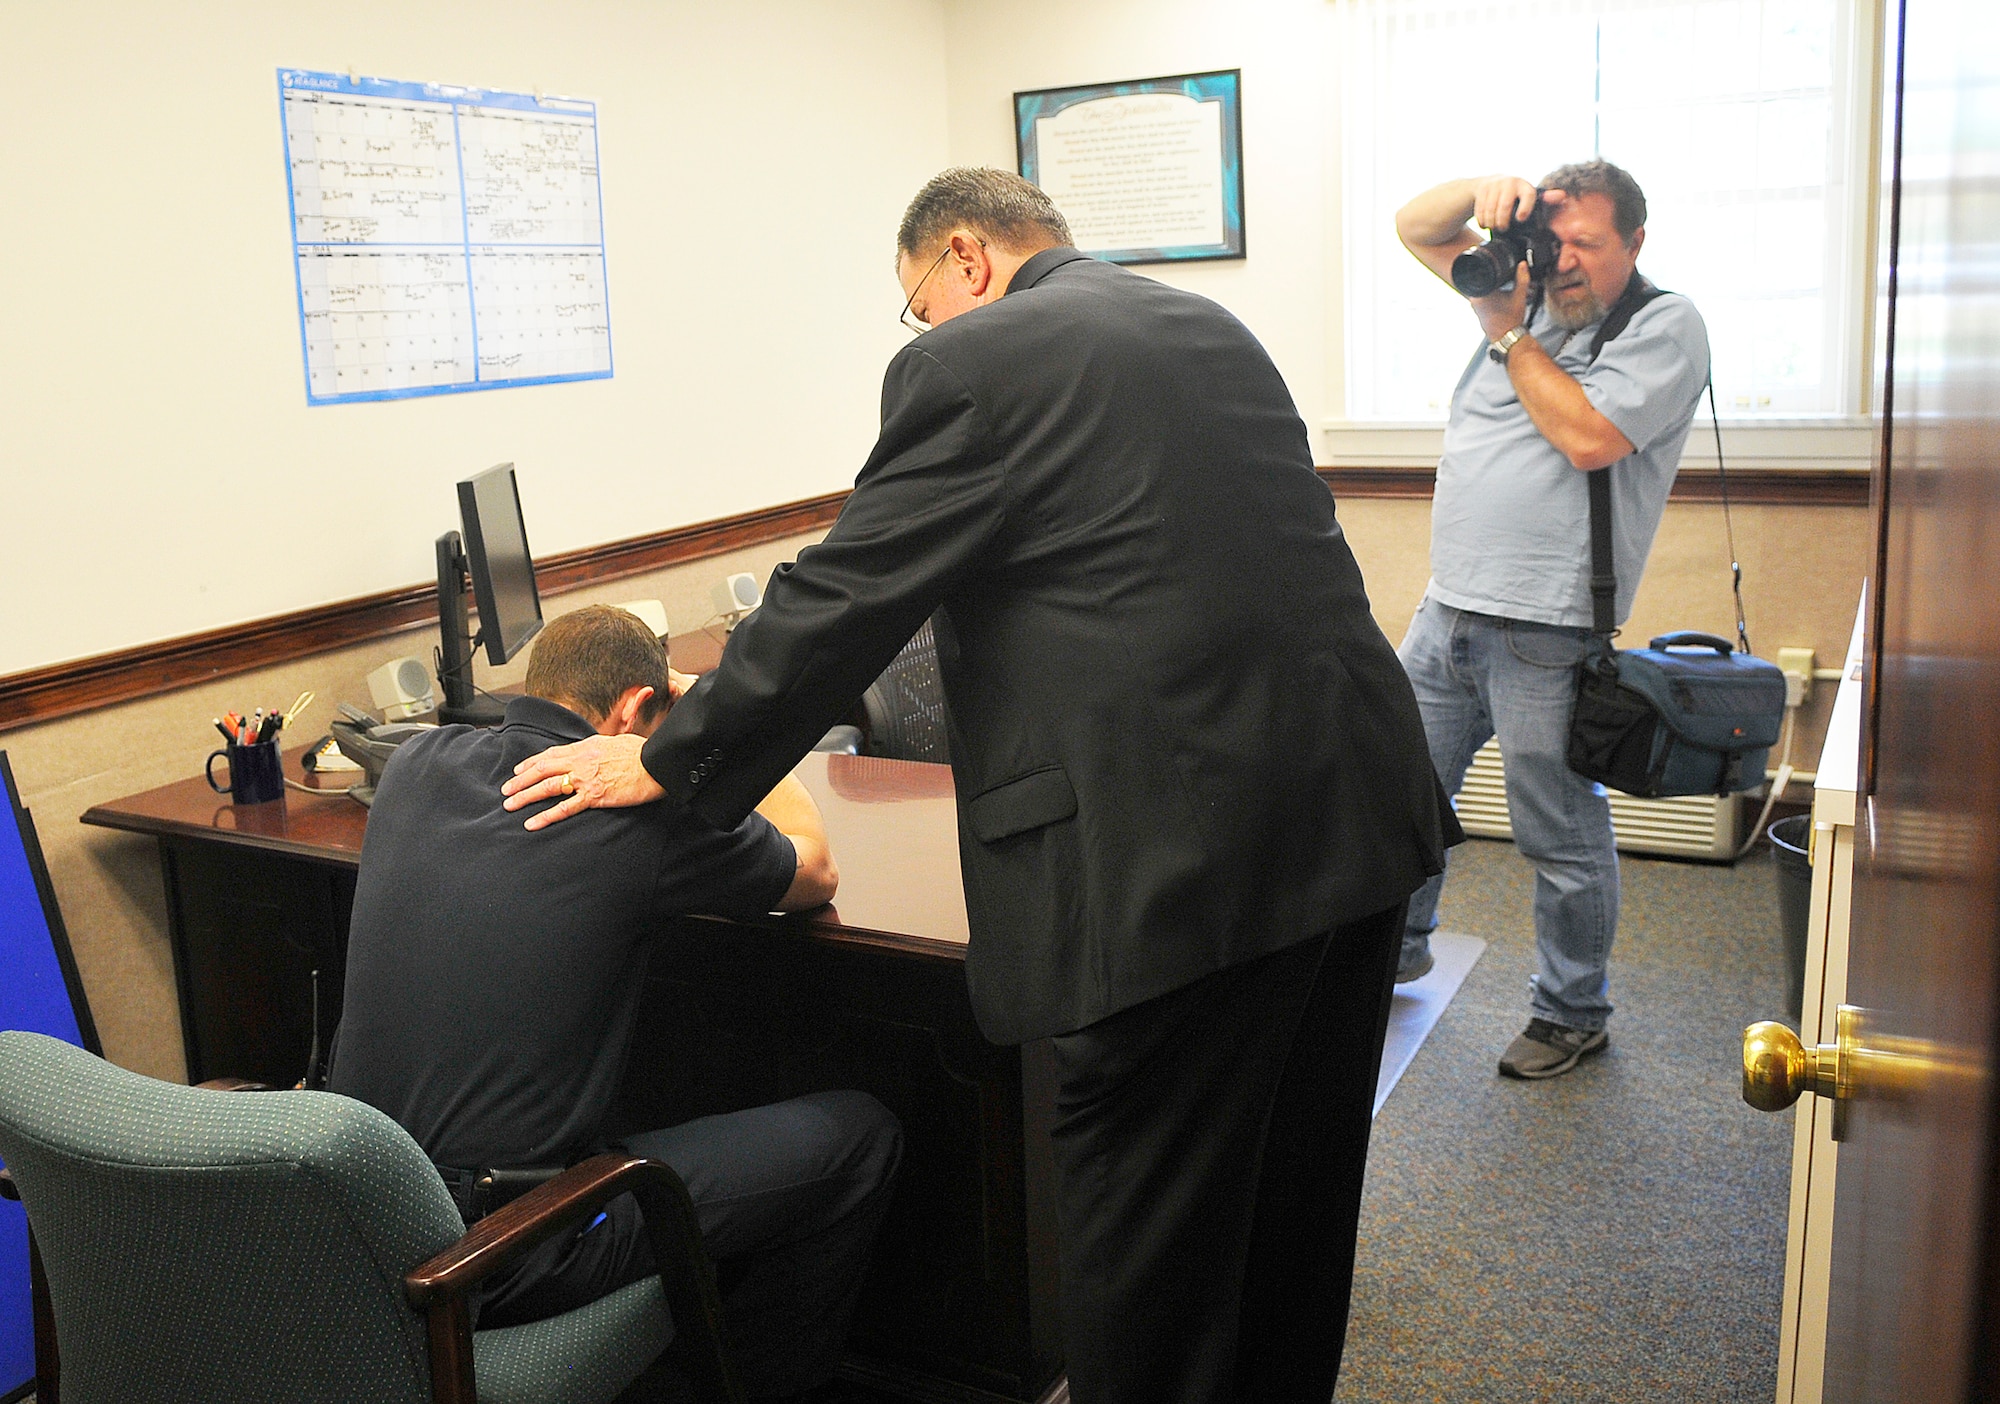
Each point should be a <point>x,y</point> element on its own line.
<point>1548,1050</point>
<point>1415,967</point>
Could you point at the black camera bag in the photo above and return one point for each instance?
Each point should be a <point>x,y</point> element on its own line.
<point>1688,715</point>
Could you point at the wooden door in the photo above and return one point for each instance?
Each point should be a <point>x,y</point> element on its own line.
<point>1915,1292</point>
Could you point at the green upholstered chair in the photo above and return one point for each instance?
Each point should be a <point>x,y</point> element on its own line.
<point>212,1246</point>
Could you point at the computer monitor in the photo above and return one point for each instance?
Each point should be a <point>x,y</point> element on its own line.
<point>493,554</point>
<point>39,991</point>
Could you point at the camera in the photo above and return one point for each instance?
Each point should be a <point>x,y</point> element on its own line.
<point>1489,268</point>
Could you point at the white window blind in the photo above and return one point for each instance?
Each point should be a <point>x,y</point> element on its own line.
<point>1742,120</point>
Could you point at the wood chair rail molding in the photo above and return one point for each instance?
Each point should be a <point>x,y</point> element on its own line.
<point>64,689</point>
<point>1748,487</point>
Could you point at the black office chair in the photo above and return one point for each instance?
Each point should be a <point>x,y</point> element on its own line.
<point>905,706</point>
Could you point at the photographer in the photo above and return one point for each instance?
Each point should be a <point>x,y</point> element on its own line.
<point>1493,647</point>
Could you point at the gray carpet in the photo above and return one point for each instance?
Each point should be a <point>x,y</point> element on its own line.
<point>1614,1234</point>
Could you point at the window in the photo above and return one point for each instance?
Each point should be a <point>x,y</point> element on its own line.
<point>1745,121</point>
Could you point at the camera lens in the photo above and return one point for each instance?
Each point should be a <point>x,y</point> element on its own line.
<point>1487,269</point>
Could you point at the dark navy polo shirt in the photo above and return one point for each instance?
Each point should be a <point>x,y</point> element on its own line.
<point>493,975</point>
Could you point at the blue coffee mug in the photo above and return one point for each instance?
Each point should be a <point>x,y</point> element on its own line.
<point>256,772</point>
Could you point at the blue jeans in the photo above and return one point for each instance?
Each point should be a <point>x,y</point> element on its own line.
<point>1478,676</point>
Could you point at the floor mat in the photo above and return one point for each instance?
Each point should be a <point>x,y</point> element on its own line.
<point>1419,1004</point>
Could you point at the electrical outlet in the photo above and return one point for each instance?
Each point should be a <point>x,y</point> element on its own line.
<point>1797,666</point>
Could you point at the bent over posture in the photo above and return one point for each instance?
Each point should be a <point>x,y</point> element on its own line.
<point>1192,787</point>
<point>494,976</point>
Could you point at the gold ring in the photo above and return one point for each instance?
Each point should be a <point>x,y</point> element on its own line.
<point>569,784</point>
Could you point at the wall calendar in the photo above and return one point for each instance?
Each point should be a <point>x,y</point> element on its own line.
<point>445,238</point>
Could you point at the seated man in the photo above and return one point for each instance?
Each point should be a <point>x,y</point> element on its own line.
<point>494,976</point>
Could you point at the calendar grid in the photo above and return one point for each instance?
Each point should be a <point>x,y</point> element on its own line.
<point>445,239</point>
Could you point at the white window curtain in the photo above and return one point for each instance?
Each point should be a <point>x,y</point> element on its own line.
<point>1743,120</point>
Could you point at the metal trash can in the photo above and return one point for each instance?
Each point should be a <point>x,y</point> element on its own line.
<point>1789,840</point>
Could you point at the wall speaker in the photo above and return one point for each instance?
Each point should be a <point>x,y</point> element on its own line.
<point>736,595</point>
<point>402,689</point>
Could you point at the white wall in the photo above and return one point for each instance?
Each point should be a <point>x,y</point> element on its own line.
<point>1284,289</point>
<point>160,470</point>
<point>1289,288</point>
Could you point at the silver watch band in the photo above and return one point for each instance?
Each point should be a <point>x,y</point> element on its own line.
<point>1499,349</point>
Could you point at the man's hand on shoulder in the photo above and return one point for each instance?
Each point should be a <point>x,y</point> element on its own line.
<point>601,772</point>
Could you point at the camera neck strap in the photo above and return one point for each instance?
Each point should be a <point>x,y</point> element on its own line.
<point>1603,569</point>
<point>1603,575</point>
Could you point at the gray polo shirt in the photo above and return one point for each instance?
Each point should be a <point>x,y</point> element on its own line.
<point>1510,521</point>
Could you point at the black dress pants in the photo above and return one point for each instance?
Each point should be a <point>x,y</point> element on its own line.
<point>1210,1146</point>
<point>789,1197</point>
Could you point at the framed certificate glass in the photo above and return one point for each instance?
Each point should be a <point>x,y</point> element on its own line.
<point>1148,171</point>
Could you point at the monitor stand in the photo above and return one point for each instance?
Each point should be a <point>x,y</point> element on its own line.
<point>462,702</point>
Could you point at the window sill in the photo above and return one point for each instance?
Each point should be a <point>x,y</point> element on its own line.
<point>1831,442</point>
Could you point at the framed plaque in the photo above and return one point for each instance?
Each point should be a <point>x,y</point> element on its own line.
<point>1149,171</point>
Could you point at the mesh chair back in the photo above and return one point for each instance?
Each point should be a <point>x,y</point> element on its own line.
<point>905,706</point>
<point>218,1246</point>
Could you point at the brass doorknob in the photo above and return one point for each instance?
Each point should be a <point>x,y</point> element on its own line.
<point>1778,1069</point>
<point>1864,1061</point>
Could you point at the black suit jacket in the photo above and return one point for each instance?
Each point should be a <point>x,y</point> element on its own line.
<point>1179,739</point>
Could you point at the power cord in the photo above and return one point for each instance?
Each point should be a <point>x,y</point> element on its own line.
<point>464,675</point>
<point>1778,783</point>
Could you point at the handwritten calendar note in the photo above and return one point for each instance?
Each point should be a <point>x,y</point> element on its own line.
<point>446,238</point>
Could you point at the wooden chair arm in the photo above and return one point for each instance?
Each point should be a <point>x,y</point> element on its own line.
<point>233,1084</point>
<point>440,1285</point>
<point>516,1227</point>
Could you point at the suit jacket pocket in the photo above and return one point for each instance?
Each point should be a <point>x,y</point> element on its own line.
<point>1025,802</point>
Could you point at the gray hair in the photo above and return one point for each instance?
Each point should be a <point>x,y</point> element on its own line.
<point>1600,177</point>
<point>999,205</point>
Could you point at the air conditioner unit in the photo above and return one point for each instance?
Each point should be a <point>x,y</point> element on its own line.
<point>1685,826</point>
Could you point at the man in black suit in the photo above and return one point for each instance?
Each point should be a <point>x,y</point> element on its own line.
<point>1193,788</point>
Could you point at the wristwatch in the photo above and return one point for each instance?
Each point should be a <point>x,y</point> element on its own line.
<point>1499,349</point>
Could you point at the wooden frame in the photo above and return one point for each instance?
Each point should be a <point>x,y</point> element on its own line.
<point>439,1287</point>
<point>1223,87</point>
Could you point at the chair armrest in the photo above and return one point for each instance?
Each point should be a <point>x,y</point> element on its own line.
<point>502,1237</point>
<point>438,1286</point>
<point>233,1084</point>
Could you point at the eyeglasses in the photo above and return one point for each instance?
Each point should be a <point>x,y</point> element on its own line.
<point>918,324</point>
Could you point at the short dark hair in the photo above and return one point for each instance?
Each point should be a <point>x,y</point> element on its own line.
<point>592,656</point>
<point>1000,205</point>
<point>1600,177</point>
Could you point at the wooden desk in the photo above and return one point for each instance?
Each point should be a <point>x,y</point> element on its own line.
<point>960,1306</point>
